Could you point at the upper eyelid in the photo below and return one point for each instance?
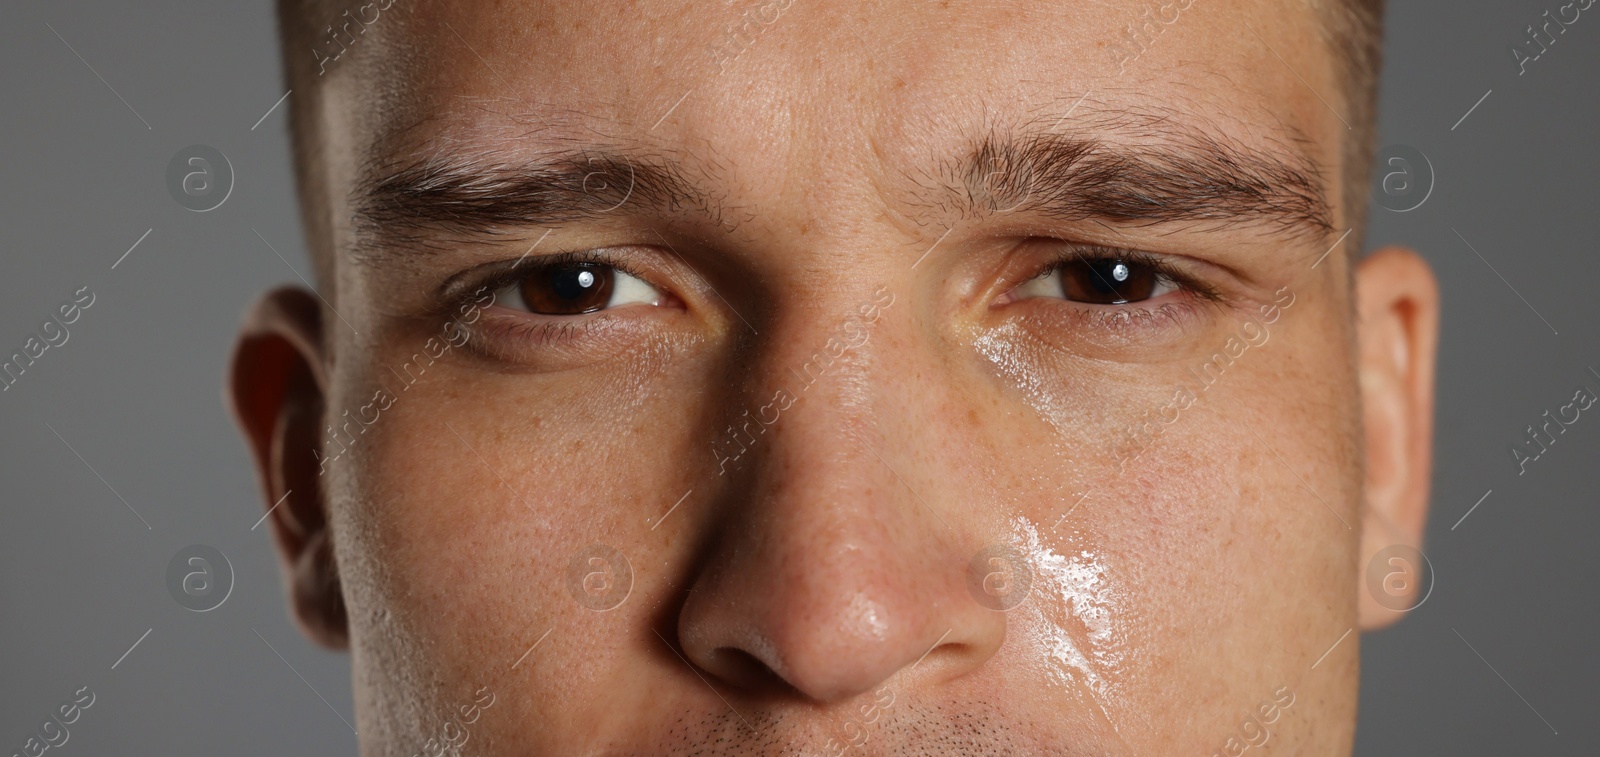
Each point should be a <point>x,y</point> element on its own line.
<point>598,256</point>
<point>1087,252</point>
<point>1162,262</point>
<point>461,287</point>
<point>465,286</point>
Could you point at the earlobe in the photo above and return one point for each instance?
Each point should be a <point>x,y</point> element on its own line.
<point>276,386</point>
<point>1398,310</point>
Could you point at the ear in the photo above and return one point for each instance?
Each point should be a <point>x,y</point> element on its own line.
<point>1397,302</point>
<point>276,386</point>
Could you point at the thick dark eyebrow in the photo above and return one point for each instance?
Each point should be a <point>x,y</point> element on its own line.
<point>457,196</point>
<point>1171,174</point>
<point>1157,172</point>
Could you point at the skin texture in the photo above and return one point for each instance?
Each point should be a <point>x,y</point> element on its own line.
<point>842,438</point>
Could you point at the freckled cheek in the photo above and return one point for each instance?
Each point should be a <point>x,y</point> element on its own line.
<point>1186,522</point>
<point>474,491</point>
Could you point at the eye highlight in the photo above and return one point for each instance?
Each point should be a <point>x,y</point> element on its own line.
<point>567,310</point>
<point>576,289</point>
<point>1111,303</point>
<point>1102,277</point>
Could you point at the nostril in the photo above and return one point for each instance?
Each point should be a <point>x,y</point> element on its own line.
<point>941,655</point>
<point>747,671</point>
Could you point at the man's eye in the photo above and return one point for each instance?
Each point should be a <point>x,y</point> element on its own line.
<point>575,289</point>
<point>1100,281</point>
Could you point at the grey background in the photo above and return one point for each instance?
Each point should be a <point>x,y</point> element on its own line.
<point>137,389</point>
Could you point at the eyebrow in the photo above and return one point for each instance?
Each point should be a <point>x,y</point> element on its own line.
<point>469,195</point>
<point>1162,172</point>
<point>1175,174</point>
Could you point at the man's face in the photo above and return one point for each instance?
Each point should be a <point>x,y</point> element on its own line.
<point>801,377</point>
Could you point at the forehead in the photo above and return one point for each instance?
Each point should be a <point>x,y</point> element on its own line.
<point>829,99</point>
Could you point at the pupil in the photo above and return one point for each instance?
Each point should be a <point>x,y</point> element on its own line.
<point>1107,281</point>
<point>1108,275</point>
<point>572,284</point>
<point>568,290</point>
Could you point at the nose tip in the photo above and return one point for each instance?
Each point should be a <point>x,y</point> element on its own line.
<point>824,654</point>
<point>835,630</point>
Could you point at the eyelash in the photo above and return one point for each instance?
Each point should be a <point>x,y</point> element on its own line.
<point>511,338</point>
<point>1161,264</point>
<point>527,266</point>
<point>1151,322</point>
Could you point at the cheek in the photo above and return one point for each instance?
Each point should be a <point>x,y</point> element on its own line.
<point>1171,517</point>
<point>462,512</point>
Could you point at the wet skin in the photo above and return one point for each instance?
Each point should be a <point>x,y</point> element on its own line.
<point>949,382</point>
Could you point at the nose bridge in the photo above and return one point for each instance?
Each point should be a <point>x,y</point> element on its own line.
<point>812,474</point>
<point>827,572</point>
<point>812,387</point>
<point>820,472</point>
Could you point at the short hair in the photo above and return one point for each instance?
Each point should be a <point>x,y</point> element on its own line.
<point>1352,30</point>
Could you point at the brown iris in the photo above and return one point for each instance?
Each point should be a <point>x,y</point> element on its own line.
<point>568,289</point>
<point>1108,281</point>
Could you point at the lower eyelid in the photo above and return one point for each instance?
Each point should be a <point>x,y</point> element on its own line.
<point>508,332</point>
<point>1115,332</point>
<point>513,337</point>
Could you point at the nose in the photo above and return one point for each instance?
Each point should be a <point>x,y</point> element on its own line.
<point>841,561</point>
